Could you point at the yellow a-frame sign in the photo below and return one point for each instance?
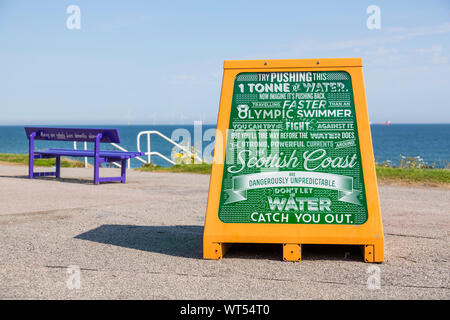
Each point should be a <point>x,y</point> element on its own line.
<point>293,160</point>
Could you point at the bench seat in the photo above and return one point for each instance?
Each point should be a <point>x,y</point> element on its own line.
<point>89,153</point>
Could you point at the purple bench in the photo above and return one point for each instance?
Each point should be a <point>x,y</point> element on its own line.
<point>78,134</point>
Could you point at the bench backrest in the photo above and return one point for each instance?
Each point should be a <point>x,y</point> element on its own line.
<point>73,134</point>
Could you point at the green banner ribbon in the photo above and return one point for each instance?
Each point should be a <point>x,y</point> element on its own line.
<point>343,184</point>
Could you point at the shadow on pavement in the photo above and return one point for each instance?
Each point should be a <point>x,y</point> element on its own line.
<point>187,241</point>
<point>180,241</point>
<point>62,179</point>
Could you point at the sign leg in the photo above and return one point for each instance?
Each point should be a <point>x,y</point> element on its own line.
<point>374,252</point>
<point>214,250</point>
<point>292,252</point>
<point>369,253</point>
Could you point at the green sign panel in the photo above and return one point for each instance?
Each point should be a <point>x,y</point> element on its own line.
<point>292,153</point>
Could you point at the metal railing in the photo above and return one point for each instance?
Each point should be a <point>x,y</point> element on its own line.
<point>114,163</point>
<point>85,148</point>
<point>149,153</point>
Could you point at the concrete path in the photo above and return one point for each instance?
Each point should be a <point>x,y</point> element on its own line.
<point>143,240</point>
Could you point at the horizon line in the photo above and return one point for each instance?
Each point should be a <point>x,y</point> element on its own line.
<point>174,124</point>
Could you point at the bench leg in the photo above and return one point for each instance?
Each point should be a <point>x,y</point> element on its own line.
<point>96,171</point>
<point>31,166</point>
<point>31,156</point>
<point>97,159</point>
<point>123,170</point>
<point>58,167</point>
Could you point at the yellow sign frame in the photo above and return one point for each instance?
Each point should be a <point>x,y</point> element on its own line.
<point>218,235</point>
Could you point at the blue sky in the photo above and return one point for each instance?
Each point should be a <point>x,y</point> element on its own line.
<point>161,62</point>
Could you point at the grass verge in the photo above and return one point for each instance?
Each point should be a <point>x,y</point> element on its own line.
<point>22,159</point>
<point>384,174</point>
<point>414,176</point>
<point>202,168</point>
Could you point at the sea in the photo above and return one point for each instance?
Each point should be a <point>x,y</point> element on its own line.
<point>430,142</point>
